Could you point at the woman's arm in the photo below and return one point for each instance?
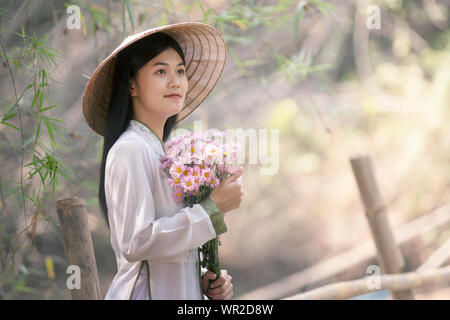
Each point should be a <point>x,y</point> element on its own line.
<point>139,235</point>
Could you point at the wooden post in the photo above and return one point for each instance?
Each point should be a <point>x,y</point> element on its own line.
<point>389,254</point>
<point>78,247</point>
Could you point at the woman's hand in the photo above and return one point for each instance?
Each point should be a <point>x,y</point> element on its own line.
<point>228,194</point>
<point>221,289</point>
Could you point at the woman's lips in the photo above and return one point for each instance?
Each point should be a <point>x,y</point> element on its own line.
<point>175,97</point>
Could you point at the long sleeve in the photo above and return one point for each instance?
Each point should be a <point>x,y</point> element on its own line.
<point>139,235</point>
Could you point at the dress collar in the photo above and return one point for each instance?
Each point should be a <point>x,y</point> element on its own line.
<point>155,140</point>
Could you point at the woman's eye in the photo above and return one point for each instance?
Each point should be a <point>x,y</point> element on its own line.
<point>182,71</point>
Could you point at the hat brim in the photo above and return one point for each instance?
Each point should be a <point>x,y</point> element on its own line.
<point>204,49</point>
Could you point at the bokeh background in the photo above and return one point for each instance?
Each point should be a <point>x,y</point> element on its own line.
<point>334,88</point>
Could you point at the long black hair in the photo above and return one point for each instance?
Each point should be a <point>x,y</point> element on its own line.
<point>120,112</point>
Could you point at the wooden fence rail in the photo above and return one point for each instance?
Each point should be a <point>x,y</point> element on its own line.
<point>393,282</point>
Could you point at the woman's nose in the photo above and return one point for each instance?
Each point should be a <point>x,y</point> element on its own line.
<point>174,81</point>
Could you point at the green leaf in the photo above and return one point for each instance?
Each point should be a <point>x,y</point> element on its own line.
<point>50,128</point>
<point>123,19</point>
<point>27,142</point>
<point>38,93</point>
<point>54,119</point>
<point>42,40</point>
<point>298,16</point>
<point>55,53</point>
<point>47,108</point>
<point>130,15</point>
<point>22,35</point>
<point>41,99</point>
<point>60,134</point>
<point>38,131</point>
<point>41,56</point>
<point>34,40</point>
<point>29,197</point>
<point>8,116</point>
<point>10,125</point>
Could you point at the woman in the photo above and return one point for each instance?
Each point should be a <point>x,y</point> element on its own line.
<point>135,98</point>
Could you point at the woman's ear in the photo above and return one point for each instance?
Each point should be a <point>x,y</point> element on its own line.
<point>133,91</point>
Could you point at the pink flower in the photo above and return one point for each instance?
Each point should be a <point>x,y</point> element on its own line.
<point>197,152</point>
<point>176,170</point>
<point>207,173</point>
<point>196,171</point>
<point>198,181</point>
<point>166,162</point>
<point>228,153</point>
<point>174,183</point>
<point>177,195</point>
<point>213,182</point>
<point>221,169</point>
<point>211,150</point>
<point>185,158</point>
<point>229,169</point>
<point>187,171</point>
<point>188,183</point>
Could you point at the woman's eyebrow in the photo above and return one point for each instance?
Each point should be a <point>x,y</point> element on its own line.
<point>166,64</point>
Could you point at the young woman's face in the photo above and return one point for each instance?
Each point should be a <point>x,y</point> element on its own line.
<point>162,76</point>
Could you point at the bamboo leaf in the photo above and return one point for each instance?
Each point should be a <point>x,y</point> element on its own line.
<point>42,40</point>
<point>47,108</point>
<point>123,19</point>
<point>29,197</point>
<point>41,56</point>
<point>298,16</point>
<point>55,53</point>
<point>8,116</point>
<point>38,131</point>
<point>38,92</point>
<point>10,125</point>
<point>27,142</point>
<point>57,120</point>
<point>130,15</point>
<point>83,24</point>
<point>41,99</point>
<point>49,126</point>
<point>60,134</point>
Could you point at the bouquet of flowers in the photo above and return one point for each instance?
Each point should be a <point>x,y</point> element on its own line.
<point>195,165</point>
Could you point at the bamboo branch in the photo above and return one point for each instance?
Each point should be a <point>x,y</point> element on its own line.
<point>438,258</point>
